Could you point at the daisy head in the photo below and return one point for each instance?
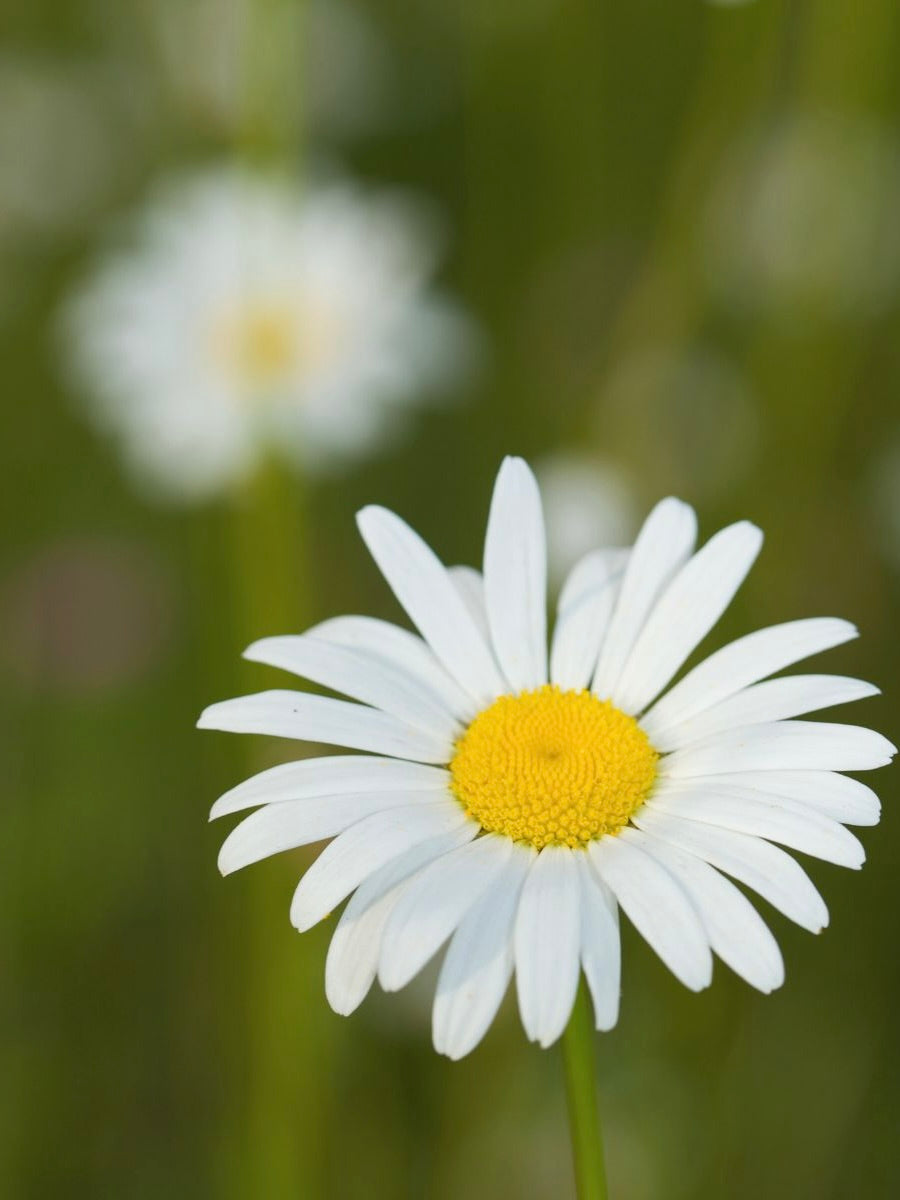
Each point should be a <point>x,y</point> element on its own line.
<point>248,318</point>
<point>512,796</point>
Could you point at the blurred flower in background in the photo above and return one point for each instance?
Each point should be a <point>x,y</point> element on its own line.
<point>804,218</point>
<point>247,317</point>
<point>588,502</point>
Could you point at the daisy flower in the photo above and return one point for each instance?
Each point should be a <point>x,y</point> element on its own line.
<point>512,800</point>
<point>249,318</point>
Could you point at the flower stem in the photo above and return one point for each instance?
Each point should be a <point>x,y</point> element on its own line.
<point>581,1091</point>
<point>280,1146</point>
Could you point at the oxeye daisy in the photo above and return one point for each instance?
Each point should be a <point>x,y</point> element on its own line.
<point>244,317</point>
<point>512,796</point>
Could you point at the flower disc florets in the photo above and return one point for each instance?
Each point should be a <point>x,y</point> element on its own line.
<point>553,767</point>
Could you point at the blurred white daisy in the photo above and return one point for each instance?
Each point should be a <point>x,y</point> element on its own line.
<point>802,219</point>
<point>249,318</point>
<point>587,503</point>
<point>514,799</point>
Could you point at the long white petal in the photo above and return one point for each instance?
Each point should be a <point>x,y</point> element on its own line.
<point>479,963</point>
<point>740,663</point>
<point>663,545</point>
<point>353,953</point>
<point>758,864</point>
<point>687,610</point>
<point>362,676</point>
<point>736,931</point>
<point>578,636</point>
<point>469,582</point>
<point>657,906</point>
<point>601,951</point>
<point>279,827</point>
<point>774,700</point>
<point>321,719</point>
<point>366,847</point>
<point>779,820</point>
<point>592,573</point>
<point>515,576</point>
<point>422,585</point>
<point>401,649</point>
<point>782,746</point>
<point>332,776</point>
<point>434,905</point>
<point>547,942</point>
<point>836,796</point>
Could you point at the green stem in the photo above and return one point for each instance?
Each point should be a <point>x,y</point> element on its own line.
<point>280,1146</point>
<point>581,1091</point>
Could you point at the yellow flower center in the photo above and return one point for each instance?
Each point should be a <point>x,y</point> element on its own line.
<point>268,340</point>
<point>553,767</point>
<point>265,344</point>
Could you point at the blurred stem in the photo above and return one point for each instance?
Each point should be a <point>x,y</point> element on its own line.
<point>272,105</point>
<point>581,1092</point>
<point>280,1145</point>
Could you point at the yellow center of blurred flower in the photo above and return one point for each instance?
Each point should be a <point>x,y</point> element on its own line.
<point>268,341</point>
<point>265,344</point>
<point>553,767</point>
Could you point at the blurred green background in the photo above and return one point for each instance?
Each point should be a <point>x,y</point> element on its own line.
<point>676,224</point>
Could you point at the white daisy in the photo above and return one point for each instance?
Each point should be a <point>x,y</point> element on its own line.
<point>511,800</point>
<point>250,318</point>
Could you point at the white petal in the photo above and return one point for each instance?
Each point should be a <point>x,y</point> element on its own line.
<point>515,576</point>
<point>690,606</point>
<point>741,663</point>
<point>279,827</point>
<point>479,963</point>
<point>736,931</point>
<point>601,952</point>
<point>547,940</point>
<point>470,585</point>
<point>758,864</point>
<point>404,650</point>
<point>836,796</point>
<point>662,546</point>
<point>591,573</point>
<point>774,700</point>
<point>321,719</point>
<point>364,848</point>
<point>353,954</point>
<point>334,776</point>
<point>361,675</point>
<point>657,907</point>
<point>778,820</point>
<point>579,633</point>
<point>782,746</point>
<point>434,905</point>
<point>422,585</point>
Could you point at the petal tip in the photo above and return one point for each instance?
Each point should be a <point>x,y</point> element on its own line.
<point>252,652</point>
